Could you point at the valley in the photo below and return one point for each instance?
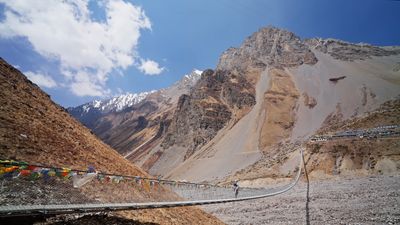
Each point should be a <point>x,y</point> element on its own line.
<point>245,120</point>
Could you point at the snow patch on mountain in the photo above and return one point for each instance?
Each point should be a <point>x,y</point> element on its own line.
<point>191,79</point>
<point>121,102</point>
<point>117,103</point>
<point>194,75</point>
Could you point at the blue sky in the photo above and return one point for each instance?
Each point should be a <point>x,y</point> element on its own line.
<point>80,51</point>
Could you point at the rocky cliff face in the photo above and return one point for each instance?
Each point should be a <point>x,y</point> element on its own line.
<point>207,109</point>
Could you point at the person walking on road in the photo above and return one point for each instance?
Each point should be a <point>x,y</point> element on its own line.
<point>236,188</point>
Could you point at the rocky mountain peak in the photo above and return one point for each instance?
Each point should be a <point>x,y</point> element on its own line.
<point>193,76</point>
<point>229,92</point>
<point>189,80</point>
<point>268,46</point>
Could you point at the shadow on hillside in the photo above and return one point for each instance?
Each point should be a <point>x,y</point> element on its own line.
<point>83,220</point>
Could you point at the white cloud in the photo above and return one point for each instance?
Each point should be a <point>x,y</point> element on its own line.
<point>41,79</point>
<point>86,88</point>
<point>82,85</point>
<point>65,31</point>
<point>150,67</point>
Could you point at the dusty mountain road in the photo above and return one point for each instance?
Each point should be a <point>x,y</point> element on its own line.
<point>365,200</point>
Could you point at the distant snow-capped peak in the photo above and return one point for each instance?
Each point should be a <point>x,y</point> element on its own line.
<point>121,102</point>
<point>192,78</point>
<point>194,75</point>
<point>117,103</point>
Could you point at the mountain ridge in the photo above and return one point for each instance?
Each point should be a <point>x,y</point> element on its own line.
<point>122,129</point>
<point>120,102</point>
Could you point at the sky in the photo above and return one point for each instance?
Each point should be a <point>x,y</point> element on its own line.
<point>81,50</point>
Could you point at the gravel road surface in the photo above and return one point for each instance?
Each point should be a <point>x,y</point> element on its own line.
<point>362,200</point>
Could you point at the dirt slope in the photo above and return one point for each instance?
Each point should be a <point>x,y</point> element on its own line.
<point>368,84</point>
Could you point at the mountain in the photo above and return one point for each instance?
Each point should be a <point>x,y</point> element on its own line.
<point>263,101</point>
<point>115,104</point>
<point>88,113</point>
<point>274,90</point>
<point>128,126</point>
<point>36,130</point>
